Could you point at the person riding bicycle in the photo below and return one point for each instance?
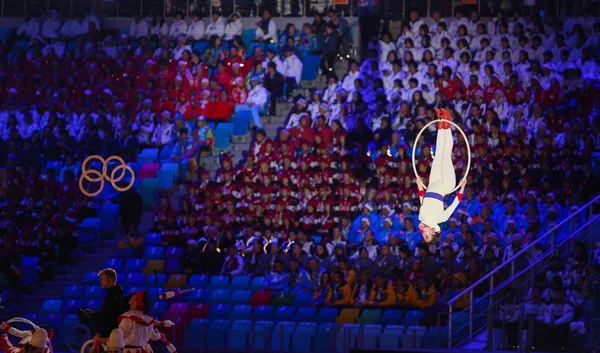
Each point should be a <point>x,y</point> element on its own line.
<point>106,319</point>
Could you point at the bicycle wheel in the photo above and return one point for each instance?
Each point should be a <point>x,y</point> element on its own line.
<point>77,337</point>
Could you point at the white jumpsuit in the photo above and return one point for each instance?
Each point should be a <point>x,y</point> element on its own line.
<point>442,179</point>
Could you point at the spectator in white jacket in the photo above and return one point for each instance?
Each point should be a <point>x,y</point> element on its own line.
<point>87,21</point>
<point>266,30</point>
<point>178,27</point>
<point>257,98</point>
<point>351,76</point>
<point>164,131</point>
<point>292,69</point>
<point>29,28</point>
<point>70,29</point>
<point>554,334</point>
<point>159,27</point>
<point>138,27</point>
<point>234,27</point>
<point>52,25</point>
<point>216,26</point>
<point>196,30</point>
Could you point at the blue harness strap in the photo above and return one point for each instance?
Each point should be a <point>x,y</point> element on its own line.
<point>434,195</point>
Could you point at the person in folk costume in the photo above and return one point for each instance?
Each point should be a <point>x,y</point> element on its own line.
<point>137,327</point>
<point>115,342</point>
<point>442,179</point>
<point>34,341</point>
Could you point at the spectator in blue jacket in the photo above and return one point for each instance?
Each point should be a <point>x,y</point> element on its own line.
<point>297,278</point>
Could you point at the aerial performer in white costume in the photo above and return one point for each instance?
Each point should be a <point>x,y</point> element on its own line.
<point>442,181</point>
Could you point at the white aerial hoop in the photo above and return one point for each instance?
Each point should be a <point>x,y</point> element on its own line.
<point>414,165</point>
<point>23,320</point>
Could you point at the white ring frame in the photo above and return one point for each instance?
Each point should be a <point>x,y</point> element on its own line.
<point>23,320</point>
<point>464,137</point>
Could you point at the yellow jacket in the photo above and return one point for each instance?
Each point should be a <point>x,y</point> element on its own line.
<point>383,296</point>
<point>426,299</point>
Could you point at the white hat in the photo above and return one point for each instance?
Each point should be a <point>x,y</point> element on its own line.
<point>367,220</point>
<point>39,339</point>
<point>369,206</point>
<point>115,340</point>
<point>389,220</point>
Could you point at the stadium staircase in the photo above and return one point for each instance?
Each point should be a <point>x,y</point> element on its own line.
<point>473,327</point>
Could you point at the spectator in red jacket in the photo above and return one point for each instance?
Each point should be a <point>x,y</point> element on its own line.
<point>222,109</point>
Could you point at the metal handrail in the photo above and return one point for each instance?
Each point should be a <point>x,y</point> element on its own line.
<point>527,248</point>
<point>492,293</point>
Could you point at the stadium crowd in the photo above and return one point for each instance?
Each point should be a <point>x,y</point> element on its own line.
<point>330,205</point>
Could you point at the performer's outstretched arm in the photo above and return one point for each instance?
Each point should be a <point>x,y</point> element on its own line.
<point>421,189</point>
<point>450,210</point>
<point>13,331</point>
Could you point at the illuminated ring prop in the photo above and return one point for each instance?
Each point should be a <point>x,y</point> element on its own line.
<point>23,320</point>
<point>94,176</point>
<point>464,137</point>
<point>112,176</point>
<point>85,348</point>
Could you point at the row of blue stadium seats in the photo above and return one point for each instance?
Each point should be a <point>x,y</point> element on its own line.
<point>306,336</point>
<point>263,335</point>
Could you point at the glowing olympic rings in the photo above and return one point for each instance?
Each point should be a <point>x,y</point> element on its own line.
<point>464,137</point>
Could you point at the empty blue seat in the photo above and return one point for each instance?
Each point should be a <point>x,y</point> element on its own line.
<point>148,155</point>
<point>282,336</point>
<point>392,317</point>
<point>152,239</point>
<point>346,337</point>
<point>285,313</point>
<point>240,312</point>
<point>325,338</point>
<point>159,309</point>
<point>135,265</point>
<point>132,290</point>
<point>257,283</point>
<point>93,304</point>
<point>302,338</point>
<point>238,335</point>
<point>72,292</point>
<point>195,334</point>
<point>71,306</point>
<point>156,279</point>
<point>115,264</point>
<point>239,282</point>
<point>153,253</point>
<point>437,340</point>
<point>327,315</point>
<point>306,313</point>
<point>370,336</point>
<point>221,138</point>
<point>303,299</point>
<point>262,330</point>
<point>135,279</point>
<point>199,296</point>
<point>225,127</point>
<point>30,261</point>
<point>240,297</point>
<point>200,47</point>
<point>217,334</point>
<point>310,67</point>
<point>413,337</point>
<point>413,317</point>
<point>240,126</point>
<point>51,307</point>
<point>197,281</point>
<point>219,296</point>
<point>172,267</point>
<point>173,253</point>
<point>391,337</point>
<point>263,312</point>
<point>93,292</point>
<point>219,311</point>
<point>218,282</point>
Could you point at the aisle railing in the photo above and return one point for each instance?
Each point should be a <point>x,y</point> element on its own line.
<point>464,325</point>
